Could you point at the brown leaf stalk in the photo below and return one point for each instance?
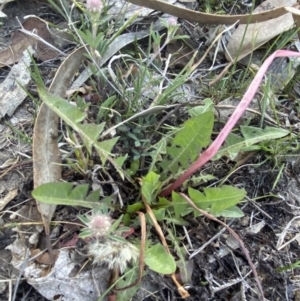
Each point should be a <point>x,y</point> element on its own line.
<point>184,294</point>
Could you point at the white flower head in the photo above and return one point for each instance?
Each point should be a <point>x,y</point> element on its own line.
<point>172,21</point>
<point>94,6</point>
<point>116,254</point>
<point>99,224</point>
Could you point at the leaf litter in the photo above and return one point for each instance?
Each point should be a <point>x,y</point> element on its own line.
<point>223,276</point>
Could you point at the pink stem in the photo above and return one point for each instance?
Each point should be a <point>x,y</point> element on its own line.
<point>238,112</point>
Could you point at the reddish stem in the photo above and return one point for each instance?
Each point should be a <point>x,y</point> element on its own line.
<point>238,112</point>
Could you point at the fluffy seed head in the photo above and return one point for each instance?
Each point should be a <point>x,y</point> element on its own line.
<point>116,254</point>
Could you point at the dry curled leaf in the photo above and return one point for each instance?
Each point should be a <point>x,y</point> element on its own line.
<point>46,156</point>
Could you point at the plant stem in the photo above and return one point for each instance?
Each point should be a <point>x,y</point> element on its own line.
<point>239,111</point>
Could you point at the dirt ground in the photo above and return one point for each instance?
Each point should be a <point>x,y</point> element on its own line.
<point>216,270</point>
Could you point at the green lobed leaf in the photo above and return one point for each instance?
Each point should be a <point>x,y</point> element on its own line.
<point>231,148</point>
<point>181,207</point>
<point>251,135</point>
<point>93,131</point>
<point>163,202</point>
<point>189,141</point>
<point>159,214</point>
<point>118,163</point>
<point>208,106</point>
<point>89,133</point>
<point>93,196</point>
<point>62,194</point>
<point>233,212</point>
<point>171,219</point>
<point>200,199</point>
<point>104,148</point>
<point>224,197</point>
<point>150,186</point>
<point>135,207</point>
<point>159,149</point>
<point>159,260</point>
<point>216,200</point>
<point>69,113</point>
<point>79,192</point>
<point>199,179</point>
<point>255,135</point>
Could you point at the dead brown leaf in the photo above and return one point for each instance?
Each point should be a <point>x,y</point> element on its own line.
<point>12,88</point>
<point>46,156</point>
<point>181,52</point>
<point>43,52</point>
<point>43,257</point>
<point>21,41</point>
<point>14,53</point>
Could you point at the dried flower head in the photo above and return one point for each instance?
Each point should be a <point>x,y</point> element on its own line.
<point>116,254</point>
<point>99,224</point>
<point>94,6</point>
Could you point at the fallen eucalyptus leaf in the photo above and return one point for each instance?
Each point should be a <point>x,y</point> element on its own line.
<point>127,10</point>
<point>203,18</point>
<point>46,156</point>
